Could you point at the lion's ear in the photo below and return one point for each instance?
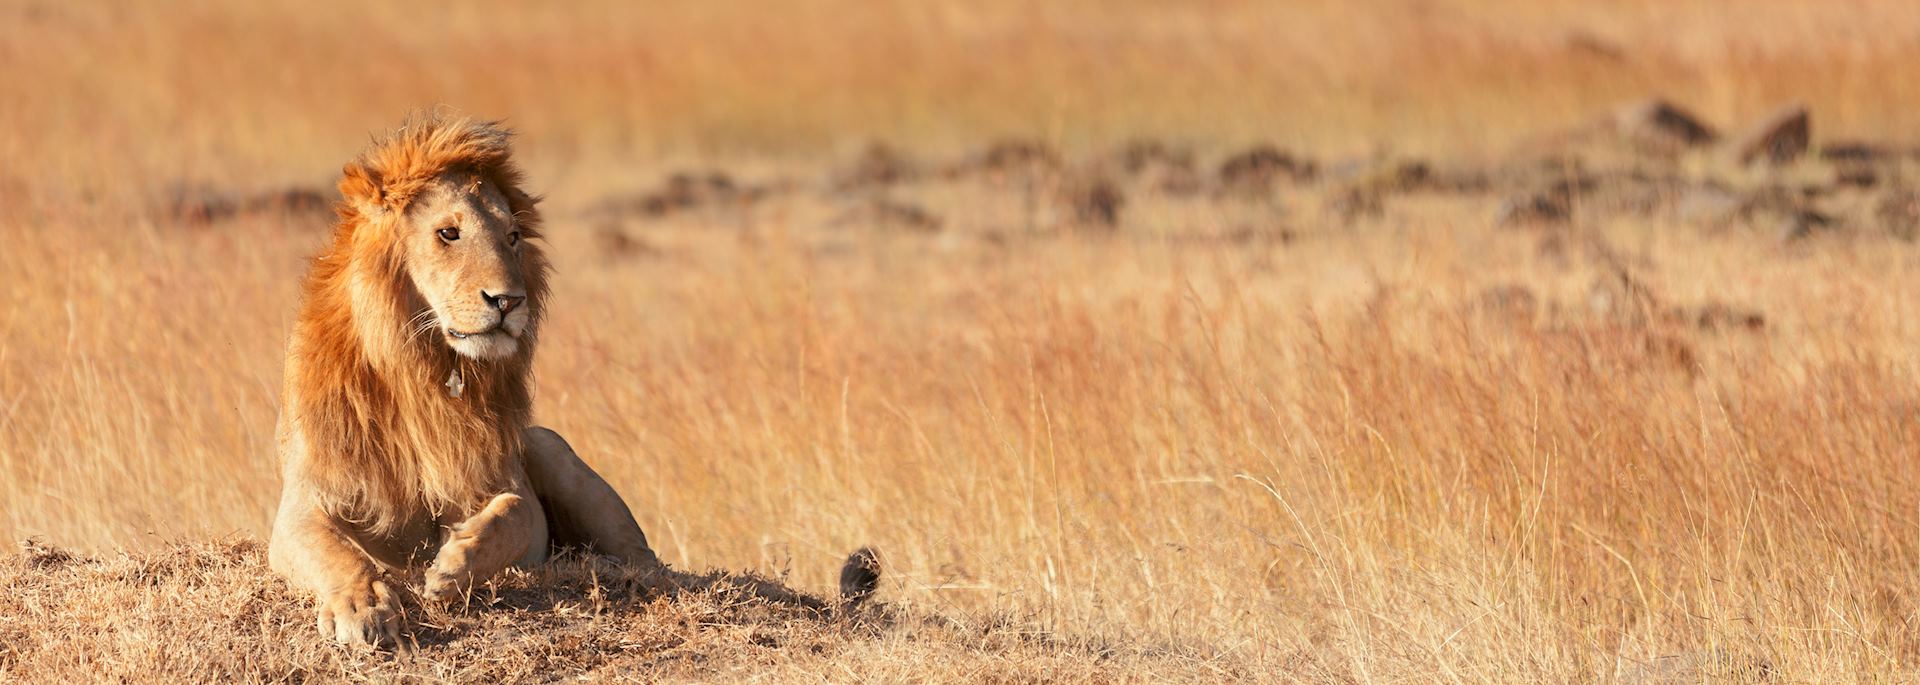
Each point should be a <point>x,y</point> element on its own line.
<point>523,205</point>
<point>361,187</point>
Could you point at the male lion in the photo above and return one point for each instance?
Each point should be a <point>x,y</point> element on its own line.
<point>404,432</point>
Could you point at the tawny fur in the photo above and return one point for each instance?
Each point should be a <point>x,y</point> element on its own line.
<point>365,390</point>
<point>432,274</point>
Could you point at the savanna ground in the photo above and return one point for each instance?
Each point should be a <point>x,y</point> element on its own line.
<point>1448,385</point>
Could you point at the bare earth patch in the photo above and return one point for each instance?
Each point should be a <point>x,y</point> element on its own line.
<point>212,612</point>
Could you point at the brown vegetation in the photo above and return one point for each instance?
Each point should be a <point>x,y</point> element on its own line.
<point>1352,431</point>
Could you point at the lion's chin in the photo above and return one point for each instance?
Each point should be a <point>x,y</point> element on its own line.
<point>492,345</point>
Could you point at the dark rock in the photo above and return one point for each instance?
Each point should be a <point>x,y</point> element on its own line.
<point>1356,203</point>
<point>1547,206</point>
<point>684,191</point>
<point>615,243</point>
<point>1802,224</point>
<point>1859,151</point>
<point>199,206</point>
<point>1139,156</point>
<point>192,206</point>
<point>1533,209</point>
<point>879,165</point>
<point>1094,202</point>
<point>1155,166</point>
<point>1178,182</point>
<point>1717,317</point>
<point>1253,172</point>
<point>1013,155</point>
<point>888,215</point>
<point>1408,175</point>
<point>1780,138</point>
<point>1662,127</point>
<point>1855,175</point>
<point>1398,176</point>
<point>291,200</point>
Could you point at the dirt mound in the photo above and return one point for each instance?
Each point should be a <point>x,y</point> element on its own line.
<point>212,612</point>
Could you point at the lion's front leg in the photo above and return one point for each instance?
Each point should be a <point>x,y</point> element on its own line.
<point>510,529</point>
<point>353,605</point>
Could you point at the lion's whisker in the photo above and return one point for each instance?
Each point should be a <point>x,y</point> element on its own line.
<point>425,321</point>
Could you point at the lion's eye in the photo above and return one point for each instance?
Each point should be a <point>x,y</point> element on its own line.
<point>513,239</point>
<point>449,234</point>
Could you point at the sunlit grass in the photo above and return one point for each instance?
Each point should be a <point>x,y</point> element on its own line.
<point>1317,457</point>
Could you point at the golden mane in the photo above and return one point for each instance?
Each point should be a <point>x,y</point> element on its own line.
<point>379,436</point>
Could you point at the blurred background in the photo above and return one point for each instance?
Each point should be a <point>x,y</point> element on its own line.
<point>226,91</point>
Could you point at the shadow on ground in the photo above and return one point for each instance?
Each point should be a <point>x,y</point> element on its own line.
<point>213,612</point>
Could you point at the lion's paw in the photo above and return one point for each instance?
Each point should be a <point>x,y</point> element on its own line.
<point>367,615</point>
<point>451,573</point>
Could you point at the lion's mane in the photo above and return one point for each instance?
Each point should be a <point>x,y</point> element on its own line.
<point>377,435</point>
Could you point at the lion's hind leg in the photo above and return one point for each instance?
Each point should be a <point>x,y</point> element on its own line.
<point>582,509</point>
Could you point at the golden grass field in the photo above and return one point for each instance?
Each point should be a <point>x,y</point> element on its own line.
<point>1231,437</point>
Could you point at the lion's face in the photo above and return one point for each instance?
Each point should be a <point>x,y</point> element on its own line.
<point>463,253</point>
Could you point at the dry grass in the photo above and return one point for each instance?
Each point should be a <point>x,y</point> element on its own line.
<point>1229,440</point>
<point>211,612</point>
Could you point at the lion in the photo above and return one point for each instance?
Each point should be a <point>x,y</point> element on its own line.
<point>404,436</point>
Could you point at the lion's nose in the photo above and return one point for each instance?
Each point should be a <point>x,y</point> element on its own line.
<point>503,302</point>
